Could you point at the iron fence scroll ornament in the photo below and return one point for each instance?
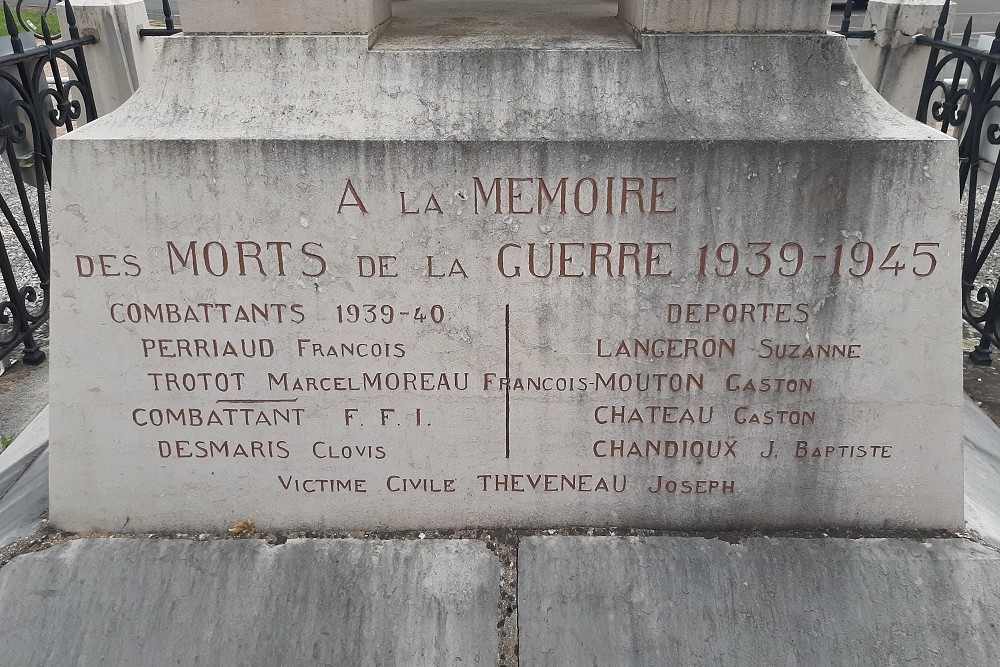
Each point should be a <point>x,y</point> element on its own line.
<point>25,24</point>
<point>51,89</point>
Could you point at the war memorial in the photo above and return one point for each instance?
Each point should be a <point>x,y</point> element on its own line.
<point>625,328</point>
<point>410,285</point>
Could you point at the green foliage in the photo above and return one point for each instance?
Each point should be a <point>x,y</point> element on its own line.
<point>33,21</point>
<point>5,442</point>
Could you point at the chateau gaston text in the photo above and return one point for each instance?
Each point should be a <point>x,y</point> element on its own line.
<point>360,332</point>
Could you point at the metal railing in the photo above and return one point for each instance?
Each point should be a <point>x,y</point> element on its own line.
<point>168,19</point>
<point>42,88</point>
<point>846,11</point>
<point>961,94</point>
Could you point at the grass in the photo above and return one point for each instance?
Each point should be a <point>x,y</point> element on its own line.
<point>5,442</point>
<point>33,22</point>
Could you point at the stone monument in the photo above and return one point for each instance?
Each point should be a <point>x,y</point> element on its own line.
<point>512,264</point>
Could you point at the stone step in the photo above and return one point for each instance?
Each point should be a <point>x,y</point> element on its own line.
<point>581,601</point>
<point>24,481</point>
<point>118,602</point>
<point>693,602</point>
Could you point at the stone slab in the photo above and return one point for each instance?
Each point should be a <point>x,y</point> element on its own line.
<point>377,402</point>
<point>637,95</point>
<point>505,24</point>
<point>24,449</point>
<point>22,505</point>
<point>24,467</point>
<point>693,602</point>
<point>299,17</point>
<point>93,603</point>
<point>726,16</point>
<point>982,474</point>
<point>892,61</point>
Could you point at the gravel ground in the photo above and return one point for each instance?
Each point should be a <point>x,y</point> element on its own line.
<point>23,271</point>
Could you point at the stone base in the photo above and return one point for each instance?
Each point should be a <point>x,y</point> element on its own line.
<point>24,481</point>
<point>664,601</point>
<point>982,474</point>
<point>307,602</point>
<point>840,210</point>
<point>581,601</point>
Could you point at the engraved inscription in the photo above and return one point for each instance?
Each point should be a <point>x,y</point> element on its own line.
<point>364,367</point>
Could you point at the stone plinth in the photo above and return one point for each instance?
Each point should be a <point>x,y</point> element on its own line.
<point>758,602</point>
<point>299,17</point>
<point>366,287</point>
<point>894,63</point>
<point>309,602</point>
<point>506,24</point>
<point>121,59</point>
<point>726,16</point>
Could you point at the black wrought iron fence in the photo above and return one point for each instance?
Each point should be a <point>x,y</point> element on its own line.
<point>168,19</point>
<point>961,96</point>
<point>44,88</point>
<point>846,11</point>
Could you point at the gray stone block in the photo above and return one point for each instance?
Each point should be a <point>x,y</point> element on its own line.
<point>693,601</point>
<point>982,473</point>
<point>113,602</point>
<point>24,480</point>
<point>27,446</point>
<point>22,505</point>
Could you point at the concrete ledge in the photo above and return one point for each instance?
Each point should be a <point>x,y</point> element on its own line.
<point>726,16</point>
<point>505,24</point>
<point>15,459</point>
<point>265,16</point>
<point>635,95</point>
<point>24,481</point>
<point>684,601</point>
<point>982,474</point>
<point>22,506</point>
<point>242,602</point>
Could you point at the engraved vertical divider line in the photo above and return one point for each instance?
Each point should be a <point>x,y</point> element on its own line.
<point>507,373</point>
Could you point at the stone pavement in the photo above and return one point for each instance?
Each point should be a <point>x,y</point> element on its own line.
<point>24,481</point>
<point>135,602</point>
<point>763,601</point>
<point>581,601</point>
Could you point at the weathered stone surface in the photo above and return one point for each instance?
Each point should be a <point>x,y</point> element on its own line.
<point>322,17</point>
<point>692,602</point>
<point>228,603</point>
<point>120,60</point>
<point>982,474</point>
<point>635,95</point>
<point>506,24</point>
<point>894,63</point>
<point>28,444</point>
<point>24,480</point>
<point>24,503</point>
<point>837,209</point>
<point>726,16</point>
